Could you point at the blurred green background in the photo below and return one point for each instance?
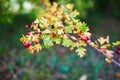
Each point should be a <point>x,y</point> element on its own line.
<point>56,63</point>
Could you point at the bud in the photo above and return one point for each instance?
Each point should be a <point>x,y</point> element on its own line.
<point>26,26</point>
<point>28,33</point>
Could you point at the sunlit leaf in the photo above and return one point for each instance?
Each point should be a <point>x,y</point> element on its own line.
<point>38,47</point>
<point>66,42</point>
<point>108,60</point>
<point>68,29</point>
<point>116,43</point>
<point>36,21</point>
<point>81,51</point>
<point>47,42</point>
<point>57,40</point>
<point>83,27</point>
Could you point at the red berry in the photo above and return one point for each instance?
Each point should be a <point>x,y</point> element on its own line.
<point>118,48</point>
<point>84,39</point>
<point>28,33</point>
<point>79,36</point>
<point>87,38</point>
<point>54,34</point>
<point>37,41</point>
<point>26,45</point>
<point>118,52</point>
<point>26,26</point>
<point>40,32</point>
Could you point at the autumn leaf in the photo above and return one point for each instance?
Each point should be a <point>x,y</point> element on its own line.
<point>38,47</point>
<point>102,40</point>
<point>66,42</point>
<point>57,40</point>
<point>36,21</point>
<point>80,51</point>
<point>108,60</point>
<point>116,43</point>
<point>60,31</point>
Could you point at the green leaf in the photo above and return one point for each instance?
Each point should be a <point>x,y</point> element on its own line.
<point>66,42</point>
<point>83,27</point>
<point>47,42</point>
<point>68,29</point>
<point>57,40</point>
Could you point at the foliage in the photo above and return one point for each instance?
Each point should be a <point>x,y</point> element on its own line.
<point>59,24</point>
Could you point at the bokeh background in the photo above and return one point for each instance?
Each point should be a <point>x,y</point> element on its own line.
<point>56,63</point>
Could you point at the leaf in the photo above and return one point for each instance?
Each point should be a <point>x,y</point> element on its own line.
<point>83,27</point>
<point>66,42</point>
<point>36,21</point>
<point>68,29</point>
<point>23,39</point>
<point>108,60</point>
<point>105,45</point>
<point>44,23</point>
<point>58,24</point>
<point>81,51</point>
<point>57,40</point>
<point>116,43</point>
<point>102,40</point>
<point>60,31</point>
<point>47,42</point>
<point>38,47</point>
<point>74,14</point>
<point>47,31</point>
<point>88,34</point>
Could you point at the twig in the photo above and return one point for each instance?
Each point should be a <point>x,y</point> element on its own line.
<point>100,51</point>
<point>113,60</point>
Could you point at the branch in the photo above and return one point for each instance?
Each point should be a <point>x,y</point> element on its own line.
<point>113,60</point>
<point>100,51</point>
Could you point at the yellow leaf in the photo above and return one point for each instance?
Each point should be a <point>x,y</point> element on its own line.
<point>31,49</point>
<point>105,45</point>
<point>47,31</point>
<point>108,60</point>
<point>60,31</point>
<point>38,47</point>
<point>101,40</point>
<point>87,34</point>
<point>23,39</point>
<point>36,21</point>
<point>116,43</point>
<point>81,51</point>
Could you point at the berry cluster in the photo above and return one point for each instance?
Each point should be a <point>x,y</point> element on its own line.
<point>83,38</point>
<point>118,50</point>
